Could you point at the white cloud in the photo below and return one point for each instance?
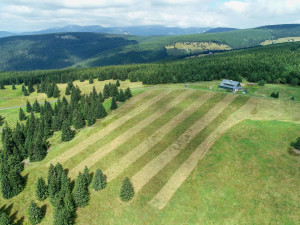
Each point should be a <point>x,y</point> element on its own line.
<point>20,15</point>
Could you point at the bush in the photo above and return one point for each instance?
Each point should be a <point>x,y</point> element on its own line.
<point>261,83</point>
<point>296,144</point>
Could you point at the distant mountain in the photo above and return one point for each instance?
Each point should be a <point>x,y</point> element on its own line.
<point>220,29</point>
<point>154,30</point>
<point>5,34</point>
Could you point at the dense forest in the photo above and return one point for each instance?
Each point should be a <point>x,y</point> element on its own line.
<point>273,64</point>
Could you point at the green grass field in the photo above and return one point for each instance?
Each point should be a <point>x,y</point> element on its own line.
<point>210,146</point>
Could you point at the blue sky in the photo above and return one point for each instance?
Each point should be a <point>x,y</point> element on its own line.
<point>28,15</point>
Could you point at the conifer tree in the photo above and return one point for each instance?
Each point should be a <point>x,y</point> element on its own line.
<point>113,104</point>
<point>1,120</point>
<point>101,112</point>
<point>41,190</point>
<point>127,191</point>
<point>100,77</point>
<point>6,189</point>
<point>81,194</point>
<point>91,79</point>
<point>28,107</point>
<point>87,176</point>
<point>13,87</point>
<point>79,121</point>
<point>36,106</point>
<point>99,181</point>
<point>25,92</point>
<point>30,87</point>
<point>100,97</point>
<point>106,92</point>
<point>22,115</point>
<point>67,134</point>
<point>38,88</point>
<point>2,85</point>
<point>4,218</point>
<point>81,78</point>
<point>128,94</point>
<point>118,83</point>
<point>49,90</point>
<point>35,213</point>
<point>56,92</point>
<point>122,96</point>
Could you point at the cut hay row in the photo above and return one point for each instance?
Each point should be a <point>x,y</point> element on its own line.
<point>106,149</point>
<point>100,134</point>
<point>115,170</point>
<point>158,163</point>
<point>161,199</point>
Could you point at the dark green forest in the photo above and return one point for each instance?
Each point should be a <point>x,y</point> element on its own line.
<point>273,64</point>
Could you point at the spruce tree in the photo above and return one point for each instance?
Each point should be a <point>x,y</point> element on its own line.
<point>38,88</point>
<point>28,107</point>
<point>26,93</point>
<point>91,79</point>
<point>106,92</point>
<point>13,87</point>
<point>56,92</point>
<point>30,87</point>
<point>79,121</point>
<point>49,90</point>
<point>99,181</point>
<point>36,106</point>
<point>81,78</point>
<point>41,190</point>
<point>122,97</point>
<point>113,104</point>
<point>1,120</point>
<point>127,191</point>
<point>2,86</point>
<point>35,213</point>
<point>67,134</point>
<point>81,193</point>
<point>91,116</point>
<point>4,218</point>
<point>128,94</point>
<point>22,115</point>
<point>118,83</point>
<point>6,189</point>
<point>87,176</point>
<point>101,112</point>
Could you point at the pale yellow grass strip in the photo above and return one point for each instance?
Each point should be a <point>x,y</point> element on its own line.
<point>115,170</point>
<point>109,147</point>
<point>165,194</point>
<point>100,134</point>
<point>158,163</point>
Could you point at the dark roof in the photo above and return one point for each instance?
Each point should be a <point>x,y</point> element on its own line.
<point>230,84</point>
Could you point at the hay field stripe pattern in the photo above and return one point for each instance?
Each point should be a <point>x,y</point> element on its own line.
<point>158,163</point>
<point>115,170</point>
<point>106,149</point>
<point>161,199</point>
<point>103,132</point>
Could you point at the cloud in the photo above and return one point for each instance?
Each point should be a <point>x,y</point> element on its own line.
<point>22,15</point>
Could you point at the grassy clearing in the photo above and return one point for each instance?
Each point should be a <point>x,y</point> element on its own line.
<point>281,40</point>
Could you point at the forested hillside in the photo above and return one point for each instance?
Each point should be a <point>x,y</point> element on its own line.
<point>273,64</point>
<point>62,50</point>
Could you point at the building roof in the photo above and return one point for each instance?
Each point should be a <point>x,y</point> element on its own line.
<point>230,84</point>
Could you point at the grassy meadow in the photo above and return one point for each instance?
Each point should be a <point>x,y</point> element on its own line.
<point>240,177</point>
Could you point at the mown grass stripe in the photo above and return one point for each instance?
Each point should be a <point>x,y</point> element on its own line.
<point>161,199</point>
<point>106,149</point>
<point>158,163</point>
<point>116,169</point>
<point>95,137</point>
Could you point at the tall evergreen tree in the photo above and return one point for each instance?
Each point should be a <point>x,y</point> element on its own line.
<point>6,189</point>
<point>25,92</point>
<point>91,79</point>
<point>13,87</point>
<point>81,193</point>
<point>100,110</point>
<point>113,104</point>
<point>4,219</point>
<point>127,191</point>
<point>67,134</point>
<point>22,115</point>
<point>35,213</point>
<point>30,87</point>
<point>87,176</point>
<point>118,83</point>
<point>128,94</point>
<point>122,97</point>
<point>41,190</point>
<point>36,106</point>
<point>99,181</point>
<point>106,92</point>
<point>91,116</point>
<point>79,121</point>
<point>56,91</point>
<point>28,107</point>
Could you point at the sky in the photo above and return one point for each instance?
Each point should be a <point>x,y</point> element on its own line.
<point>32,15</point>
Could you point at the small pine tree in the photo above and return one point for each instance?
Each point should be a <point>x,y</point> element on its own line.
<point>26,93</point>
<point>87,176</point>
<point>118,83</point>
<point>30,87</point>
<point>293,98</point>
<point>36,107</point>
<point>38,88</point>
<point>106,92</point>
<point>28,107</point>
<point>127,191</point>
<point>81,193</point>
<point>296,144</point>
<point>4,218</point>
<point>67,134</point>
<point>128,94</point>
<point>99,181</point>
<point>91,79</point>
<point>122,96</point>
<point>113,104</point>
<point>22,115</point>
<point>13,87</point>
<point>1,120</point>
<point>101,111</point>
<point>35,213</point>
<point>56,92</point>
<point>41,190</point>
